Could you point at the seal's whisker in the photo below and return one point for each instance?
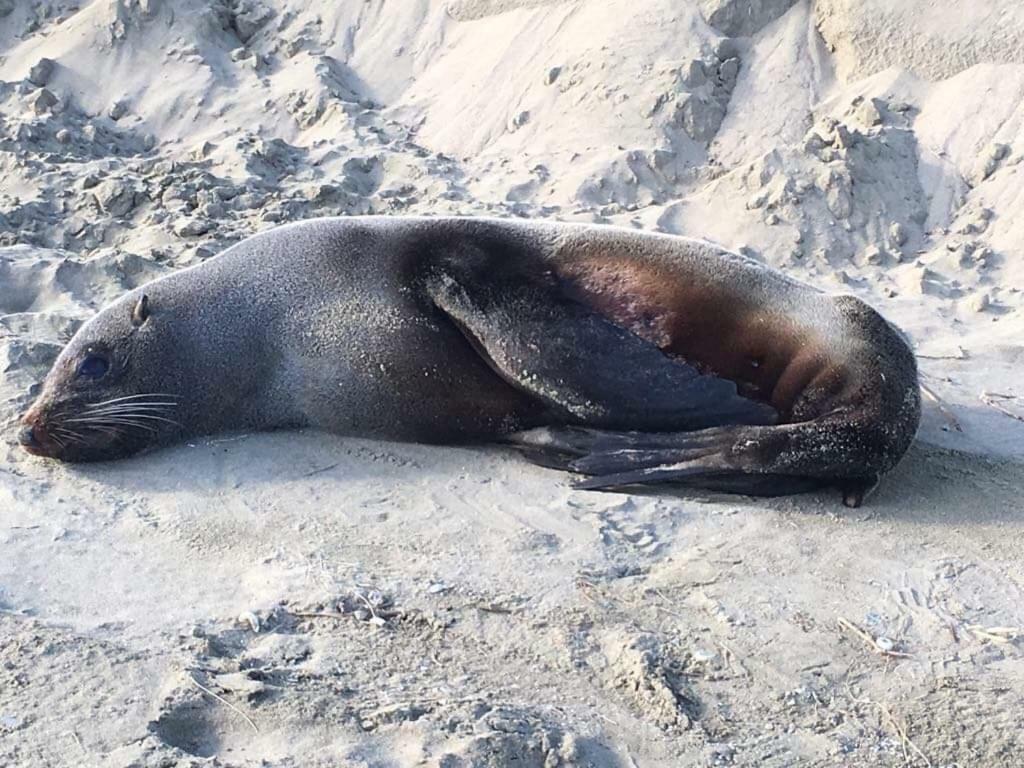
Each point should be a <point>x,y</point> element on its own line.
<point>81,439</point>
<point>62,431</point>
<point>125,415</point>
<point>140,417</point>
<point>112,431</point>
<point>72,437</point>
<point>90,422</point>
<point>58,422</point>
<point>134,397</point>
<point>129,408</point>
<point>133,404</point>
<point>112,414</point>
<point>128,403</point>
<point>100,423</point>
<point>123,430</point>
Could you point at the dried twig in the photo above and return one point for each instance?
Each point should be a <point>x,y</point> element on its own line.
<point>904,738</point>
<point>941,405</point>
<point>995,634</point>
<point>731,656</point>
<point>588,589</point>
<point>961,354</point>
<point>233,439</point>
<point>321,470</point>
<point>669,611</point>
<point>849,626</point>
<point>78,741</point>
<point>992,399</point>
<point>494,608</point>
<point>374,618</point>
<point>223,701</point>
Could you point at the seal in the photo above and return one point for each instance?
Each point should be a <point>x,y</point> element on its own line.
<point>624,356</point>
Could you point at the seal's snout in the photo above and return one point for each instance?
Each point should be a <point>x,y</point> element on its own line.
<point>34,438</point>
<point>28,439</point>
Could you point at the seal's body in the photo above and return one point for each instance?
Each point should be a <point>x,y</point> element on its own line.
<point>627,356</point>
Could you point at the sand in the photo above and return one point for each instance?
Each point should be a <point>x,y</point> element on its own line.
<point>298,599</point>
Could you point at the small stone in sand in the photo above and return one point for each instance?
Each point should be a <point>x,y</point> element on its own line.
<point>188,227</point>
<point>43,101</point>
<point>979,302</point>
<point>41,72</point>
<point>118,110</point>
<point>115,197</point>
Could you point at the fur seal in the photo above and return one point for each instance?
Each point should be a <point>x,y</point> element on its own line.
<point>625,356</point>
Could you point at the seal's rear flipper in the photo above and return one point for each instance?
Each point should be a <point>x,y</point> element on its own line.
<point>584,367</point>
<point>748,460</point>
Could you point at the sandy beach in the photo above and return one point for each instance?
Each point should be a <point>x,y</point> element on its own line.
<point>298,599</point>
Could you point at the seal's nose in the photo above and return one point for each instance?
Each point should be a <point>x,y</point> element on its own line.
<point>27,437</point>
<point>32,438</point>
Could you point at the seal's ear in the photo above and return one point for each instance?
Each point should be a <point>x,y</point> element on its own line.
<point>141,311</point>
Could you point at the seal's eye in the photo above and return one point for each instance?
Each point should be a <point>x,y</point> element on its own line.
<point>93,367</point>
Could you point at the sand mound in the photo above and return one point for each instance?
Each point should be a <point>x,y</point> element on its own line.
<point>868,36</point>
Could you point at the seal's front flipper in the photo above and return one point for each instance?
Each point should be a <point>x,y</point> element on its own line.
<point>584,367</point>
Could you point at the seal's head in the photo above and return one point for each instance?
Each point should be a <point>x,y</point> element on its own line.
<point>98,401</point>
